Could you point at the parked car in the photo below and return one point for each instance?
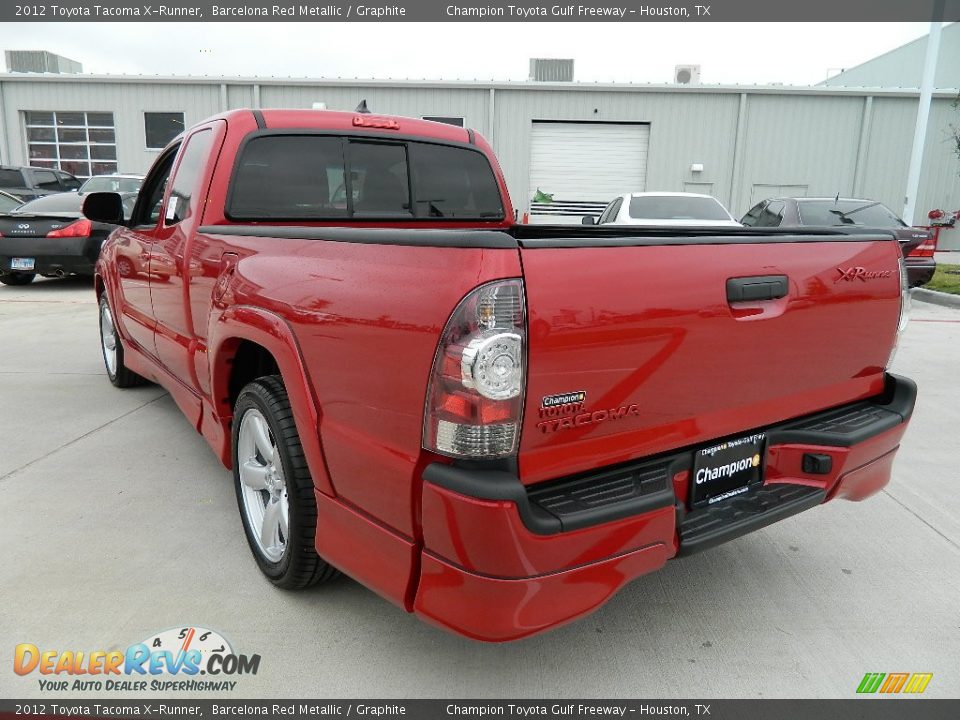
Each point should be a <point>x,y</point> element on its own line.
<point>50,236</point>
<point>28,183</point>
<point>665,209</point>
<point>9,202</point>
<point>917,244</point>
<point>71,202</point>
<point>494,426</point>
<point>112,183</point>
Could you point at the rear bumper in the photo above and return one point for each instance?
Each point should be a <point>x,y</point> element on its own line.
<point>920,270</point>
<point>502,561</point>
<point>52,255</point>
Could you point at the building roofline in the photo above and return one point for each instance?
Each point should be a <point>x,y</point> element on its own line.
<point>920,39</point>
<point>475,84</point>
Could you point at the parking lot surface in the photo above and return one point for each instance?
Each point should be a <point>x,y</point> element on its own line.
<point>117,522</point>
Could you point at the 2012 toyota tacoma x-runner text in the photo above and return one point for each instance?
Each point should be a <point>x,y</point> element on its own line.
<point>493,426</point>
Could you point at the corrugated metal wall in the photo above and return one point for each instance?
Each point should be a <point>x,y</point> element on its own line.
<point>685,128</point>
<point>127,102</point>
<point>786,138</point>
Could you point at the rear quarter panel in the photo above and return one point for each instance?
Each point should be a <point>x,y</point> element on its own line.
<point>367,319</point>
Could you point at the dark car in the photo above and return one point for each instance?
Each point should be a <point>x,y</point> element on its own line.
<point>51,237</point>
<point>28,183</point>
<point>916,244</point>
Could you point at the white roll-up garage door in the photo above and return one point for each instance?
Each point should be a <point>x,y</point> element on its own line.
<point>577,168</point>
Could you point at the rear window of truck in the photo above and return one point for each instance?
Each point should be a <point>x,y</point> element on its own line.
<point>324,177</point>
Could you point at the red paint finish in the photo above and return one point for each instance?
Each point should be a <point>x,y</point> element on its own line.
<point>867,480</point>
<point>497,610</point>
<point>365,549</point>
<point>651,327</point>
<point>488,536</point>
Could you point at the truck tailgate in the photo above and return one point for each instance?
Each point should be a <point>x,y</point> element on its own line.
<point>640,348</point>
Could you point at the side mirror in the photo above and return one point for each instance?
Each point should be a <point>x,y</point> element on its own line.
<point>588,220</point>
<point>105,207</point>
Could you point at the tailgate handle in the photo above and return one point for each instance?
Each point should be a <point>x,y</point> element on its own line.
<point>758,287</point>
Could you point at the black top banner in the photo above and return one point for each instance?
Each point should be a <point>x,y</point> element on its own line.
<point>852,11</point>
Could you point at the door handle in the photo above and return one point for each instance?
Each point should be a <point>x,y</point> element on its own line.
<point>757,287</point>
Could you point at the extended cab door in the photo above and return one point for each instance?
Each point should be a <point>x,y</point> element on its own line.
<point>132,253</point>
<point>183,211</point>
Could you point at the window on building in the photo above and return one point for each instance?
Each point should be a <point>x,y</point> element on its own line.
<point>449,120</point>
<point>80,143</point>
<point>160,128</point>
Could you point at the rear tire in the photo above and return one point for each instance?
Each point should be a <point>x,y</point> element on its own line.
<point>17,278</point>
<point>275,493</point>
<point>112,350</point>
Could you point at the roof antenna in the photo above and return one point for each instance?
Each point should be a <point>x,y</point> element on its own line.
<point>362,107</point>
<point>837,198</point>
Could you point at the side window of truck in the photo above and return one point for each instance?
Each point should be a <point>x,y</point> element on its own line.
<point>181,203</point>
<point>150,199</point>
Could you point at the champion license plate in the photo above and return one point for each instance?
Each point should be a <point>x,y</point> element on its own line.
<point>727,469</point>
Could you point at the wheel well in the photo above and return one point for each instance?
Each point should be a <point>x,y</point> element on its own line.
<point>249,362</point>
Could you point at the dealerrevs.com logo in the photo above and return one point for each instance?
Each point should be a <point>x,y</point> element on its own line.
<point>168,661</point>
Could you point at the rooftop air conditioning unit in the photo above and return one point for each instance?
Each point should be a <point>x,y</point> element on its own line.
<point>686,75</point>
<point>551,69</point>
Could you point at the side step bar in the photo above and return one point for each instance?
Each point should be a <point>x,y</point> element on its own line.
<point>706,527</point>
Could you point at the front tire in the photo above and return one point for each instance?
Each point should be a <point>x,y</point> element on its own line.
<point>17,278</point>
<point>274,487</point>
<point>112,350</point>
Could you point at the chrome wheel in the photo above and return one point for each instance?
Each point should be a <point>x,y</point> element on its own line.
<point>263,484</point>
<point>108,339</point>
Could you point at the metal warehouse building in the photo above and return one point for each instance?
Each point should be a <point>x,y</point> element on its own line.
<point>570,145</point>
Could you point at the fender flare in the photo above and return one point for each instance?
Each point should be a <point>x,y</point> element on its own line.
<point>272,332</point>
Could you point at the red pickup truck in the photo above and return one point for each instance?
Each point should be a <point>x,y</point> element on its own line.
<point>494,426</point>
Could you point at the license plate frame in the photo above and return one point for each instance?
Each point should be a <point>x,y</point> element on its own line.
<point>727,469</point>
<point>23,263</point>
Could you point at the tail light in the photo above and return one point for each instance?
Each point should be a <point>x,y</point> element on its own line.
<point>904,318</point>
<point>925,249</point>
<point>475,395</point>
<point>80,228</point>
